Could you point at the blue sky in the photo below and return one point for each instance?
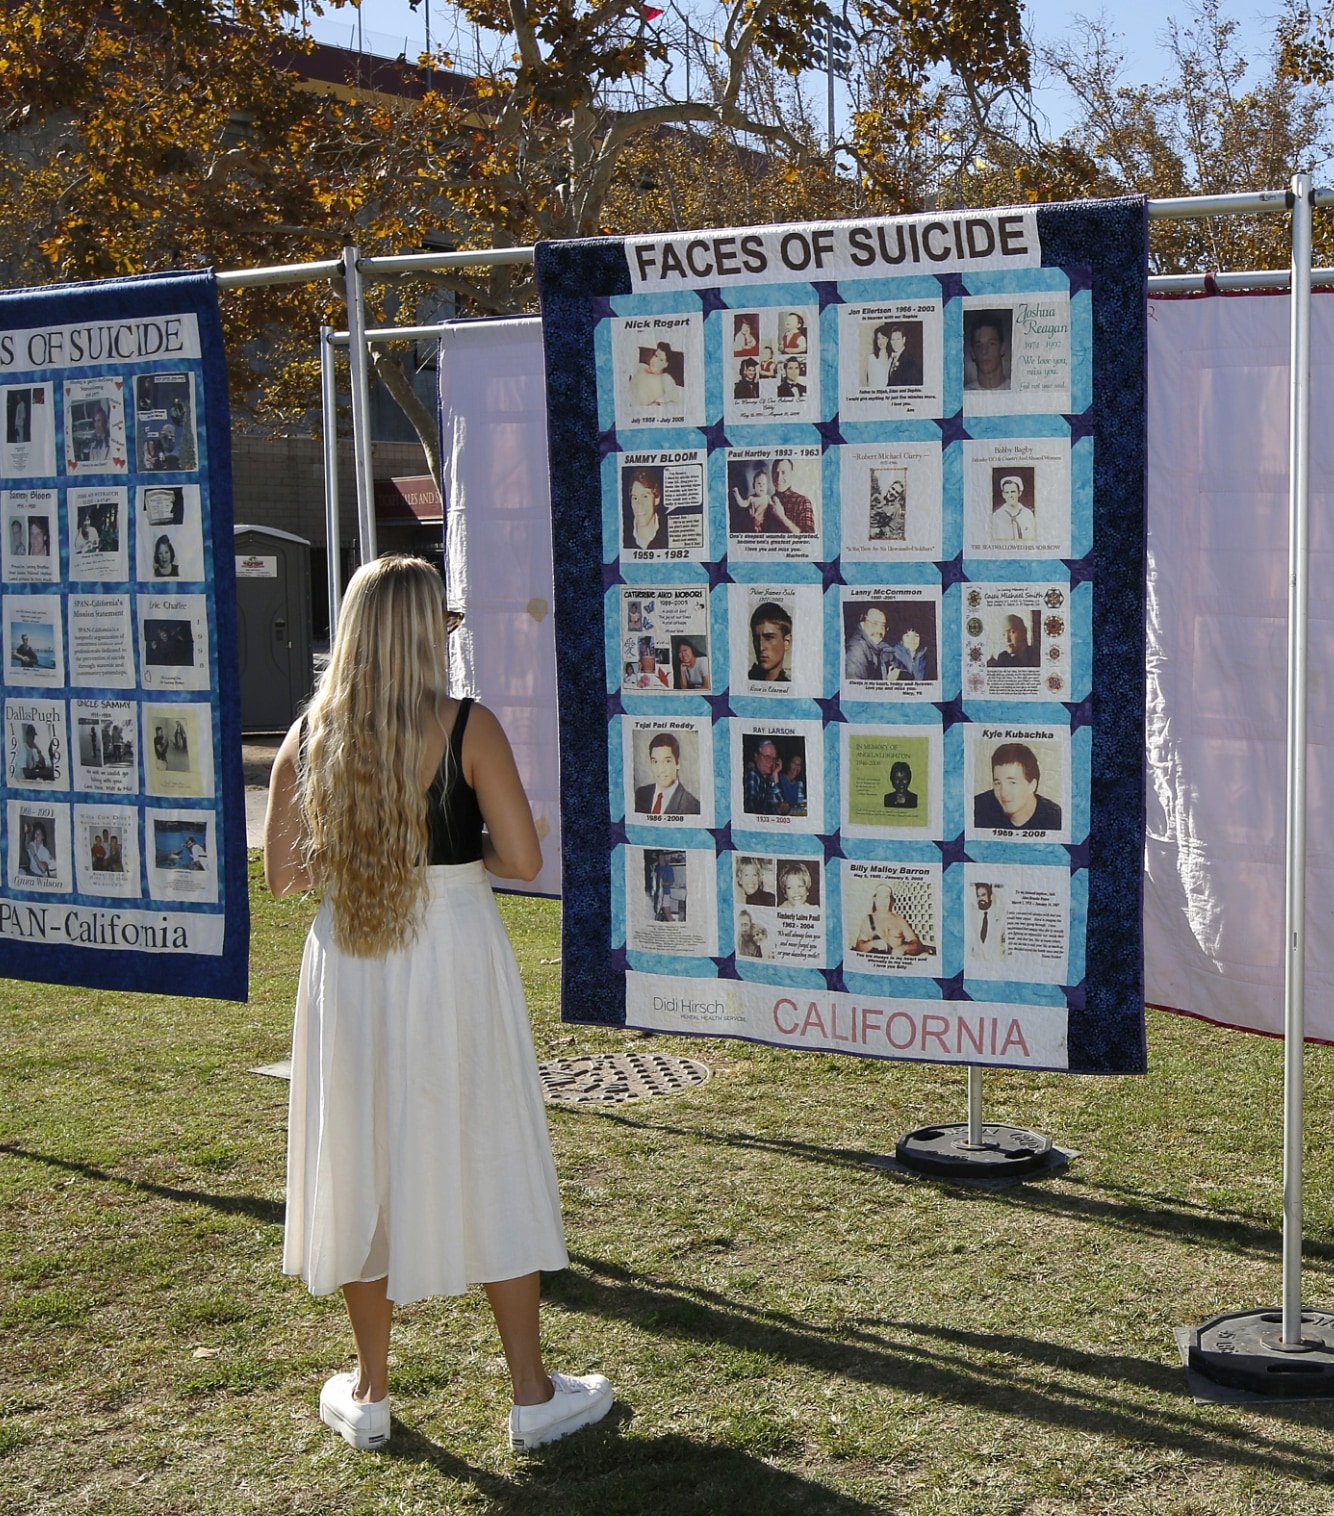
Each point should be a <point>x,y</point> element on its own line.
<point>388,26</point>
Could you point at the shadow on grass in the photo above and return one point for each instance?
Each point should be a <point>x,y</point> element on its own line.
<point>1163,1216</point>
<point>599,1471</point>
<point>1125,1210</point>
<point>1106,1396</point>
<point>270,1211</point>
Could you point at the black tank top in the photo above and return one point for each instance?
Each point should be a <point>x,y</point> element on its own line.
<point>453,817</point>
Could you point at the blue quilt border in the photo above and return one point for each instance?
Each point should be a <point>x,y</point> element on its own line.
<point>1108,238</point>
<point>225,976</point>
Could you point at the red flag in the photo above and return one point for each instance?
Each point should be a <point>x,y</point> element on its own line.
<point>652,12</point>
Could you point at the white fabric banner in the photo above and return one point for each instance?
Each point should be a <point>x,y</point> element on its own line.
<point>1217,632</point>
<point>1217,507</point>
<point>493,412</point>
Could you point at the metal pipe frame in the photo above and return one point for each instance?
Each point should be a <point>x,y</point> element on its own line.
<point>332,532</point>
<point>1257,279</point>
<point>284,273</point>
<point>974,1105</point>
<point>1300,199</point>
<point>1294,901</point>
<point>1200,207</point>
<point>418,263</point>
<point>359,362</point>
<point>1183,208</point>
<point>395,333</point>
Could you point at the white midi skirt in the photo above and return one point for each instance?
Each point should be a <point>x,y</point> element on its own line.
<point>417,1142</point>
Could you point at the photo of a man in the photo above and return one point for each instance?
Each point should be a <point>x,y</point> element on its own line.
<point>764,761</point>
<point>747,386</point>
<point>25,655</point>
<point>1019,651</point>
<point>1013,802</point>
<point>791,509</point>
<point>32,762</point>
<point>864,652</point>
<point>666,795</point>
<point>771,637</point>
<point>790,386</point>
<point>986,925</point>
<point>751,937</point>
<point>987,350</point>
<point>18,420</point>
<point>644,522</point>
<point>894,358</point>
<point>665,875</point>
<point>889,643</point>
<point>169,644</point>
<point>96,447</point>
<point>888,505</point>
<point>1012,518</point>
<point>885,929</point>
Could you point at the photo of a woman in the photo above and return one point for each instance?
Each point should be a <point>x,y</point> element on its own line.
<point>40,861</point>
<point>798,887</point>
<point>877,360</point>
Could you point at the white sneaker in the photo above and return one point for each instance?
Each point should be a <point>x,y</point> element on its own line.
<point>579,1401</point>
<point>363,1423</point>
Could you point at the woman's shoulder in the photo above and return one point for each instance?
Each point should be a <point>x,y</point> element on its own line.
<point>483,725</point>
<point>481,729</point>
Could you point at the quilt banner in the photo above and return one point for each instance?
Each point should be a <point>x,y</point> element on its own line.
<point>122,833</point>
<point>849,563</point>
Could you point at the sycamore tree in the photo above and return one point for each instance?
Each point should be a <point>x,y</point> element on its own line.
<point>590,119</point>
<point>139,136</point>
<point>149,134</point>
<point>1218,122</point>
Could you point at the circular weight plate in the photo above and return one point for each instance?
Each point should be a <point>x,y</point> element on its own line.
<point>1245,1351</point>
<point>614,1078</point>
<point>945,1150</point>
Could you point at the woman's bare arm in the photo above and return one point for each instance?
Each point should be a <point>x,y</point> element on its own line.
<point>510,847</point>
<point>284,872</point>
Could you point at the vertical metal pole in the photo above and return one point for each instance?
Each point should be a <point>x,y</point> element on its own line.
<point>1294,903</point>
<point>974,1105</point>
<point>332,534</point>
<point>361,404</point>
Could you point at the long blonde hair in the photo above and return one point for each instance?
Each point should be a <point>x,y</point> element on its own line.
<point>362,809</point>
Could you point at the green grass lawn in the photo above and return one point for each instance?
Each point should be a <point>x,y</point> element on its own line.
<point>787,1328</point>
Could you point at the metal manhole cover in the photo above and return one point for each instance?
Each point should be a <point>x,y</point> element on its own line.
<point>613,1078</point>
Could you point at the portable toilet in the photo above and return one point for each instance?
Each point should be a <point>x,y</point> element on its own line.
<point>273,626</point>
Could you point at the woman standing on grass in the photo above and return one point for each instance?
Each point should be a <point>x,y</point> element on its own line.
<point>418,1159</point>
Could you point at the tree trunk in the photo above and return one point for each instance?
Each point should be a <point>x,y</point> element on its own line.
<point>389,370</point>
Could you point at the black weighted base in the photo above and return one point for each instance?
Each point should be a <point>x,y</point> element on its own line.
<point>1004,1151</point>
<point>1245,1351</point>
